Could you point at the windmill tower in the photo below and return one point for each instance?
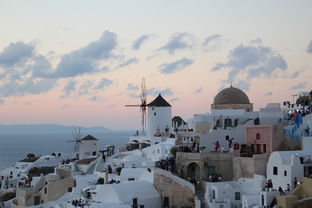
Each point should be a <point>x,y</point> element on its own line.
<point>159,117</point>
<point>142,106</point>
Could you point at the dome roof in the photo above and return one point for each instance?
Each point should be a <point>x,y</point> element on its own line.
<point>231,95</point>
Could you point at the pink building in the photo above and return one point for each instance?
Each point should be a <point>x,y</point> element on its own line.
<point>264,138</point>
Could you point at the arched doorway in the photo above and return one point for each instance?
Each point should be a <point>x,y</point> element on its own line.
<point>193,170</point>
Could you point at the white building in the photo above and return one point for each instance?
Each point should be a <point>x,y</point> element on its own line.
<point>231,113</point>
<point>134,193</point>
<point>229,194</point>
<point>284,166</point>
<point>134,174</point>
<point>159,117</point>
<point>88,147</point>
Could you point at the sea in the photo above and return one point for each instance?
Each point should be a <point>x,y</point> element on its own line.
<point>15,146</point>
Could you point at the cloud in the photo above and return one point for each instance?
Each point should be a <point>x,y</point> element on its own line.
<point>111,106</point>
<point>97,99</point>
<point>174,100</point>
<point>128,62</point>
<point>132,87</point>
<point>153,92</point>
<point>104,83</point>
<point>1,102</point>
<point>11,87</point>
<point>298,86</point>
<point>198,91</point>
<point>138,42</point>
<point>175,66</point>
<point>69,88</point>
<point>295,75</point>
<point>309,47</point>
<point>243,85</point>
<point>253,60</point>
<point>268,94</point>
<point>85,59</point>
<point>179,41</point>
<point>16,53</point>
<point>213,41</point>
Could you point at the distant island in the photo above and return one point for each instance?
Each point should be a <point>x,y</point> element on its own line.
<point>46,128</point>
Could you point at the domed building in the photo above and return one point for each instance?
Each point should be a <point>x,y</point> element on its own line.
<point>231,98</point>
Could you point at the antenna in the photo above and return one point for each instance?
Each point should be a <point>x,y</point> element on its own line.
<point>142,105</point>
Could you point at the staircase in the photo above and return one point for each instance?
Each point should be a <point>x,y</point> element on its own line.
<point>200,194</point>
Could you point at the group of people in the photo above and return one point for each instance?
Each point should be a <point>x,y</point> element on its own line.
<point>269,185</point>
<point>110,150</point>
<point>78,203</point>
<point>113,181</point>
<point>215,178</point>
<point>187,148</point>
<point>167,164</point>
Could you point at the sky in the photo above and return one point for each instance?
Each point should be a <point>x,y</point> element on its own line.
<point>78,62</point>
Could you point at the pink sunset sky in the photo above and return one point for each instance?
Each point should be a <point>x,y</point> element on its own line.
<point>79,62</point>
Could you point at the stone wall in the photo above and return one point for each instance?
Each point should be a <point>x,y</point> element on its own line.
<point>246,167</point>
<point>181,193</point>
<point>222,163</point>
<point>247,107</point>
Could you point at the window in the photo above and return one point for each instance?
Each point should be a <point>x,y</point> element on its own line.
<point>94,153</point>
<point>258,137</point>
<point>235,122</point>
<point>275,172</point>
<point>264,148</point>
<point>45,190</point>
<point>70,189</point>
<point>154,113</point>
<point>262,199</point>
<point>285,172</point>
<point>166,201</point>
<point>213,194</point>
<point>237,196</point>
<point>211,169</point>
<point>257,121</point>
<point>131,179</point>
<point>218,123</point>
<point>227,122</point>
<point>135,202</point>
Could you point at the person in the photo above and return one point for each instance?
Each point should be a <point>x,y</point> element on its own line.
<point>282,193</point>
<point>269,184</point>
<point>217,145</point>
<point>109,168</point>
<point>210,178</point>
<point>230,142</point>
<point>287,187</point>
<point>295,182</point>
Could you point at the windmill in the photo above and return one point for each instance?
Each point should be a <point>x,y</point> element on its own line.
<point>77,135</point>
<point>143,104</point>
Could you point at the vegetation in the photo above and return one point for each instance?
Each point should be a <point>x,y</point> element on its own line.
<point>100,181</point>
<point>7,196</point>
<point>118,170</point>
<point>30,158</point>
<point>173,151</point>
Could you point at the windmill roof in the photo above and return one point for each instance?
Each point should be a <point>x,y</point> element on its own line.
<point>89,137</point>
<point>159,102</point>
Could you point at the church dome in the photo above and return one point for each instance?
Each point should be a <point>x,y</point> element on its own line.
<point>231,95</point>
